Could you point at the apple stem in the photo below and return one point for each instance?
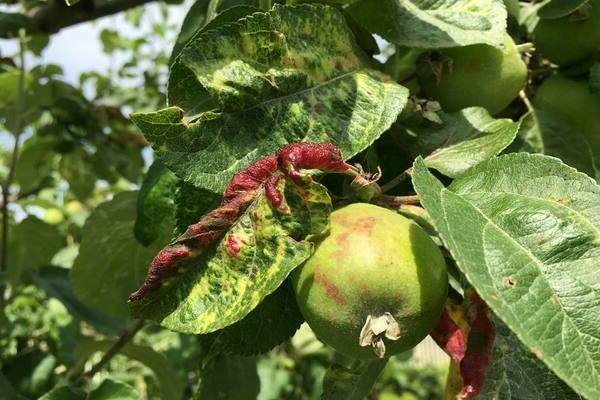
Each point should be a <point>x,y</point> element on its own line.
<point>396,201</point>
<point>396,181</point>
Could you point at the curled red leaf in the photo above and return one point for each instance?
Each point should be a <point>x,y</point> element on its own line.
<point>467,335</point>
<point>237,197</point>
<point>479,347</point>
<point>448,335</point>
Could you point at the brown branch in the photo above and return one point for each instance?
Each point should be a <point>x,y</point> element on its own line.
<point>56,15</point>
<point>125,338</point>
<point>17,130</point>
<point>396,181</point>
<point>396,201</point>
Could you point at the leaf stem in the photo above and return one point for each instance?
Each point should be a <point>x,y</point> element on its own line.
<point>125,338</point>
<point>526,100</point>
<point>17,130</point>
<point>396,201</point>
<point>396,181</point>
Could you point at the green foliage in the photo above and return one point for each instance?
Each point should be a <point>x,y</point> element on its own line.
<point>432,25</point>
<point>155,205</point>
<point>230,377</point>
<point>170,383</point>
<point>514,368</point>
<point>302,95</point>
<point>222,286</point>
<point>92,195</point>
<point>530,250</point>
<point>55,282</point>
<point>104,283</point>
<point>25,255</point>
<point>460,141</point>
<point>351,383</point>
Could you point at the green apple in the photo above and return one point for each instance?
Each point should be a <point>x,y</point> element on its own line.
<point>375,267</point>
<point>476,75</point>
<point>571,39</point>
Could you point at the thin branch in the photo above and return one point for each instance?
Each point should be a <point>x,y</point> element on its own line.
<point>526,100</point>
<point>396,181</point>
<point>396,201</point>
<point>56,15</point>
<point>17,130</point>
<point>125,338</point>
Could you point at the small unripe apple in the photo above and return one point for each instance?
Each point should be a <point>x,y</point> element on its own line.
<point>476,75</point>
<point>375,285</point>
<point>73,207</point>
<point>572,100</point>
<point>53,216</point>
<point>570,39</point>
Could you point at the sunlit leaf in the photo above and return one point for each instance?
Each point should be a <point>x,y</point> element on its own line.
<point>273,321</point>
<point>433,24</point>
<point>461,140</point>
<point>223,284</point>
<point>524,229</point>
<point>274,81</point>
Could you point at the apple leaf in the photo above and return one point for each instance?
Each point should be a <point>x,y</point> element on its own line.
<point>155,205</point>
<point>55,282</point>
<point>10,23</point>
<point>462,140</point>
<point>560,137</point>
<point>191,203</point>
<point>434,24</point>
<point>525,231</point>
<point>219,286</point>
<point>595,78</point>
<point>559,8</point>
<point>355,383</point>
<point>32,243</point>
<point>111,262</point>
<point>110,389</point>
<point>170,383</point>
<point>230,377</point>
<point>274,82</point>
<point>272,322</point>
<point>200,18</point>
<point>515,373</point>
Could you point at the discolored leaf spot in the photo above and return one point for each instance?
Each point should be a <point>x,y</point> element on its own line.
<point>267,74</point>
<point>214,289</point>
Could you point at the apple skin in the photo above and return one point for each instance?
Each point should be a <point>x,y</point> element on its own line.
<point>476,75</point>
<point>53,216</point>
<point>566,41</point>
<point>572,99</point>
<point>373,261</point>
